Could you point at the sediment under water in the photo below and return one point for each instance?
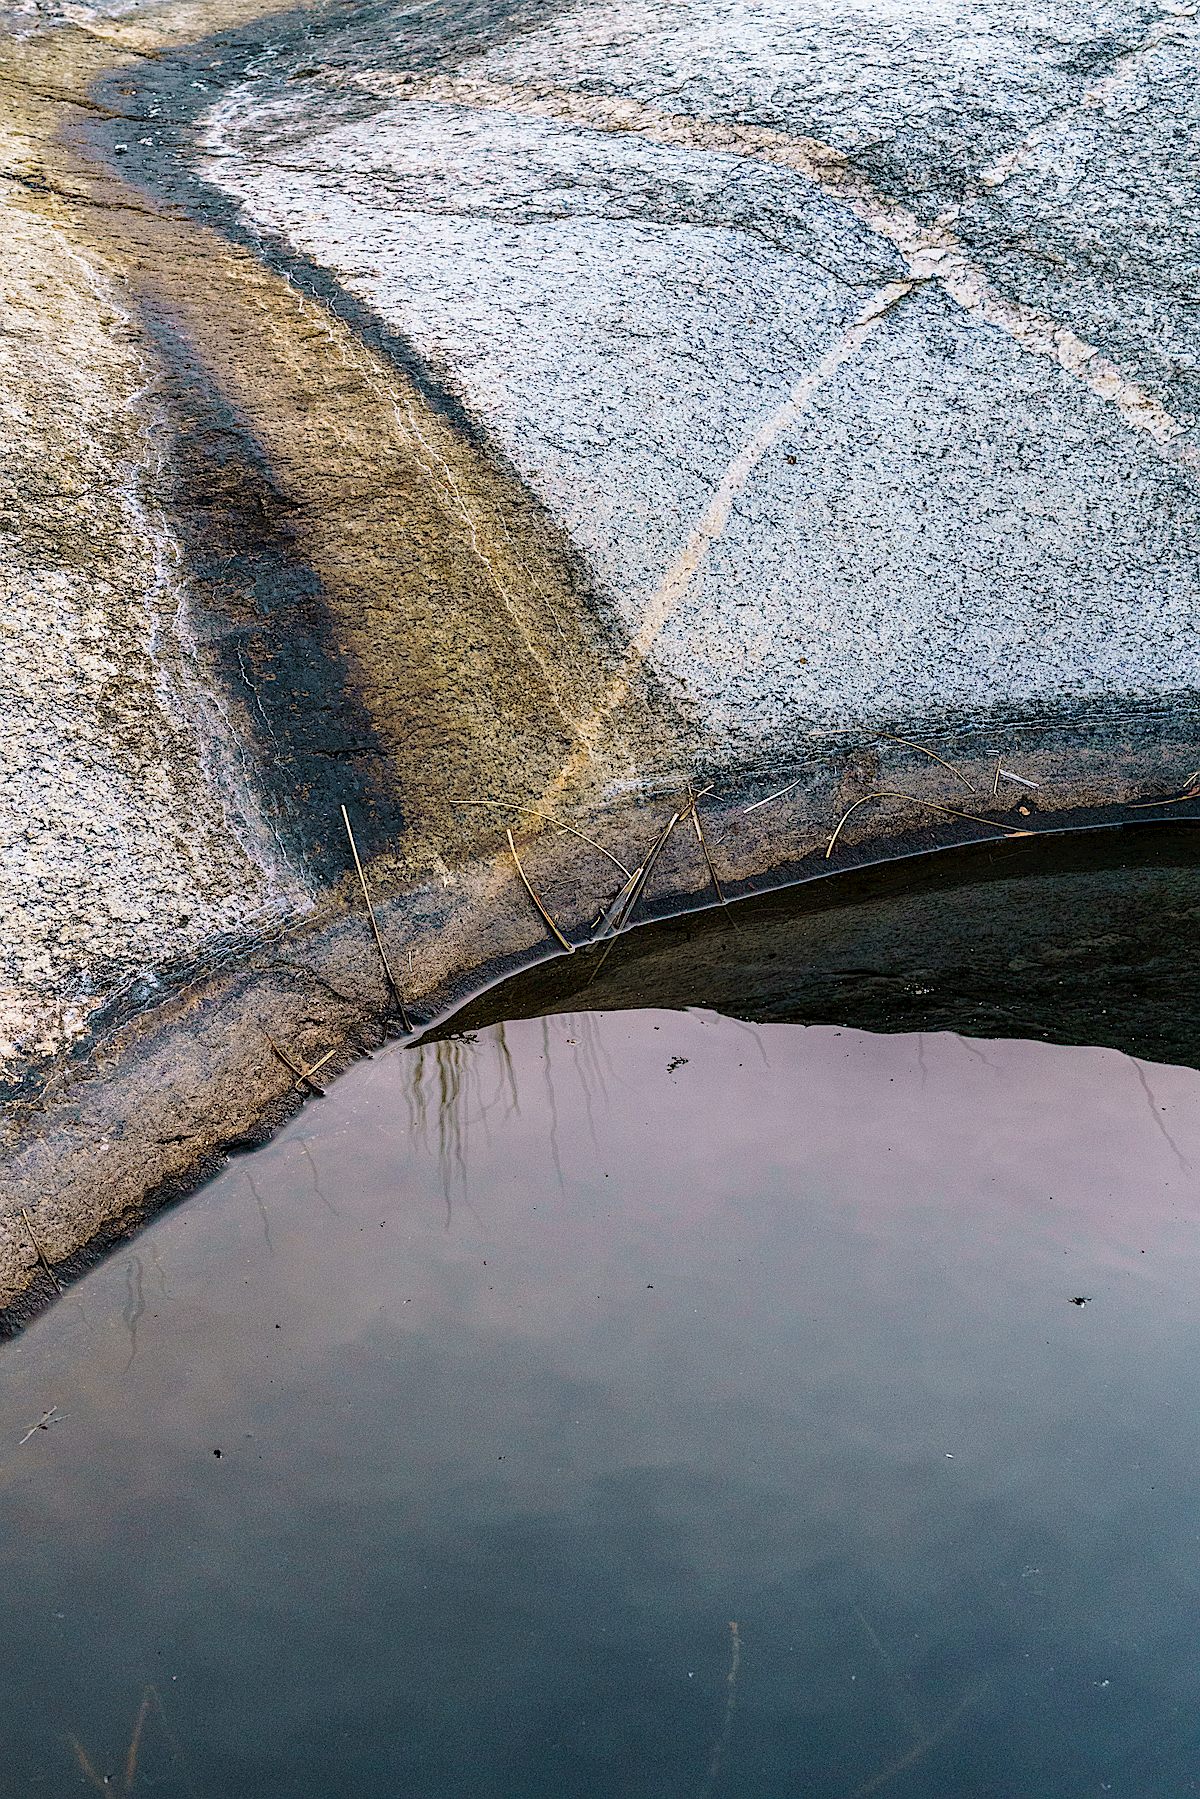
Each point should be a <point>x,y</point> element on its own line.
<point>632,1402</point>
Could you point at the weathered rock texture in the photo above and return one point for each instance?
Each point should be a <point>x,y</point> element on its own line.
<point>528,415</point>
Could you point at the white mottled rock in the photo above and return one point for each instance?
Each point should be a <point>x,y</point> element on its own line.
<point>124,842</point>
<point>974,497</point>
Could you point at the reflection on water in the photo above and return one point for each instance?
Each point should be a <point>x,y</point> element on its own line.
<point>640,1404</point>
<point>461,1086</point>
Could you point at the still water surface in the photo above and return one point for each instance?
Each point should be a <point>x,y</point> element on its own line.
<point>642,1405</point>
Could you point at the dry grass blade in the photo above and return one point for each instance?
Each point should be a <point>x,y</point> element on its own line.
<point>618,905</point>
<point>717,1754</point>
<point>1007,774</point>
<point>652,858</point>
<point>887,737</point>
<point>555,823</point>
<point>566,943</point>
<point>619,913</point>
<point>774,796</point>
<point>920,1749</point>
<point>283,1055</point>
<point>40,1253</point>
<point>892,793</point>
<point>387,967</point>
<point>1176,799</point>
<point>702,840</point>
<point>172,1742</point>
<point>105,1783</point>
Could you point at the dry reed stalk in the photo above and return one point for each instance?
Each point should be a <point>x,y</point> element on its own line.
<point>568,946</point>
<point>617,916</point>
<point>401,1012</point>
<point>892,793</point>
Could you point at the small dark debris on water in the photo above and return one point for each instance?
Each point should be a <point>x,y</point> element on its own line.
<point>217,1453</point>
<point>1082,1299</point>
<point>675,1062</point>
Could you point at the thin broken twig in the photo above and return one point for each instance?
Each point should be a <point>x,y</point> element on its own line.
<point>892,793</point>
<point>53,1416</point>
<point>304,1075</point>
<point>387,967</point>
<point>40,1253</point>
<point>565,941</point>
<point>1006,774</point>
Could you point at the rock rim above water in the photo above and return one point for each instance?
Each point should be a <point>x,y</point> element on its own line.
<point>558,408</point>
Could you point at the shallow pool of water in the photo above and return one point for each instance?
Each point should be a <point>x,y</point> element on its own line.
<point>642,1404</point>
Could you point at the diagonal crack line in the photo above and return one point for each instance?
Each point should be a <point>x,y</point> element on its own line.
<point>931,252</point>
<point>713,520</point>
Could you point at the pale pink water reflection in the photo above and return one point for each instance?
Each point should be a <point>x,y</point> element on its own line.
<point>536,1359</point>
